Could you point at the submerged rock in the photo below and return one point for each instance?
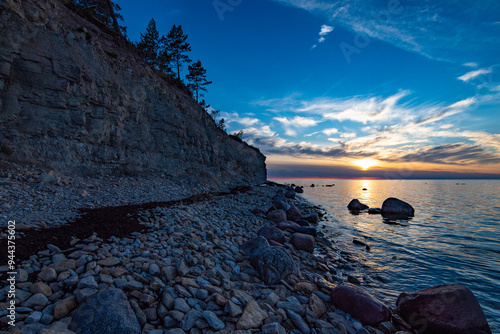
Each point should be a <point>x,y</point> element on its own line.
<point>396,207</point>
<point>443,309</point>
<point>360,304</point>
<point>356,205</point>
<point>272,264</point>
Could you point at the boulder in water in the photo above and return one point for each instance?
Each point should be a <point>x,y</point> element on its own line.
<point>299,190</point>
<point>443,309</point>
<point>396,207</point>
<point>356,205</point>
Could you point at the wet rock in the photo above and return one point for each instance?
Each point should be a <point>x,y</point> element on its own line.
<point>252,245</point>
<point>312,218</point>
<point>272,233</point>
<point>293,213</point>
<point>303,242</point>
<point>277,216</point>
<point>374,211</point>
<point>302,222</point>
<point>106,312</point>
<point>360,304</point>
<point>356,205</point>
<point>396,207</point>
<point>272,264</point>
<point>443,309</point>
<point>252,317</point>
<point>307,230</point>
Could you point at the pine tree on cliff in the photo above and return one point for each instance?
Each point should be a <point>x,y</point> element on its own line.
<point>150,43</point>
<point>197,79</point>
<point>177,47</point>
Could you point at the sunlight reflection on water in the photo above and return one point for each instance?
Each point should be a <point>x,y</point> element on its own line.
<point>453,238</point>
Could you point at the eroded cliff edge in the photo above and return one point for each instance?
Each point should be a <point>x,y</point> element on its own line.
<point>76,99</point>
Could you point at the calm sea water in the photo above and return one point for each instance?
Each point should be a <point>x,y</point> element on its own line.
<point>453,238</point>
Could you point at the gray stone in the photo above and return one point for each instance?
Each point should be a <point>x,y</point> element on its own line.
<point>298,321</point>
<point>181,305</point>
<point>189,319</point>
<point>87,282</point>
<point>213,320</point>
<point>273,328</point>
<point>252,245</point>
<point>106,312</point>
<point>36,300</point>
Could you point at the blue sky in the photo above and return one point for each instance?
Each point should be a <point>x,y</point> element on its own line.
<point>334,89</point>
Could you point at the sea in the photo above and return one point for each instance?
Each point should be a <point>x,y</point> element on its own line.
<point>454,236</point>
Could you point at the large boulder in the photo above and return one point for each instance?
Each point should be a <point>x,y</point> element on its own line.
<point>277,216</point>
<point>303,242</point>
<point>252,245</point>
<point>356,205</point>
<point>443,309</point>
<point>105,312</point>
<point>360,304</point>
<point>273,264</point>
<point>299,190</point>
<point>272,233</point>
<point>293,213</point>
<point>396,207</point>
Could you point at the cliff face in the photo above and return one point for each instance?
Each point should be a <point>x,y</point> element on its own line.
<point>73,99</point>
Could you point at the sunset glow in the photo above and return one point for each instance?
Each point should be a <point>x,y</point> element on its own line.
<point>365,163</point>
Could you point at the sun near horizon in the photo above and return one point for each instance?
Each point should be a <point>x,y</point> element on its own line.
<point>365,164</point>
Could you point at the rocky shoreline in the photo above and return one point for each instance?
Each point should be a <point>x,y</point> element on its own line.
<point>189,269</point>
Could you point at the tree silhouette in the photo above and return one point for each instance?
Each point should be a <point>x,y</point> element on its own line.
<point>150,43</point>
<point>177,47</point>
<point>197,79</point>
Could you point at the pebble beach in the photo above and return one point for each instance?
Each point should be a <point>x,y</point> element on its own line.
<point>184,266</point>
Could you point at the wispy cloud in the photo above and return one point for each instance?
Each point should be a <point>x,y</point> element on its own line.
<point>474,74</point>
<point>433,33</point>
<point>472,65</point>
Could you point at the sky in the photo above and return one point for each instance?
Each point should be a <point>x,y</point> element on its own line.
<point>349,89</point>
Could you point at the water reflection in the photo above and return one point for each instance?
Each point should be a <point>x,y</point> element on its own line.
<point>454,236</point>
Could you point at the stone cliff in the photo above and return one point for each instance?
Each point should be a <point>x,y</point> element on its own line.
<point>76,99</point>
